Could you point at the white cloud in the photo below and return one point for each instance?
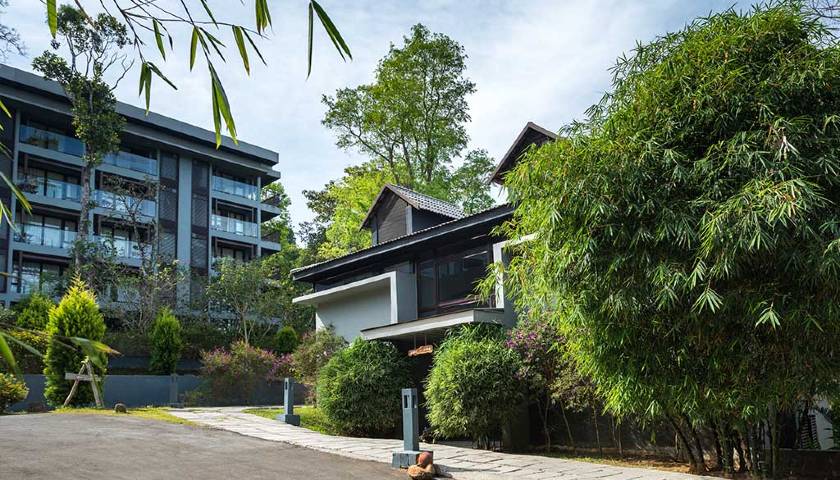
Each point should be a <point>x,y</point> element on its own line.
<point>539,60</point>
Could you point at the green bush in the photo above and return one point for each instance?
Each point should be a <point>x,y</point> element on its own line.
<point>232,376</point>
<point>315,350</point>
<point>12,390</point>
<point>34,312</point>
<point>27,361</point>
<point>286,340</point>
<point>165,338</point>
<point>359,388</point>
<point>472,388</point>
<point>77,315</point>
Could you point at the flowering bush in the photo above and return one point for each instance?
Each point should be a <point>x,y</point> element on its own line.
<point>232,376</point>
<point>12,390</point>
<point>315,350</point>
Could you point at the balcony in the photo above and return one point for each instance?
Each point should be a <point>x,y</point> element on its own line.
<point>46,236</point>
<point>51,141</point>
<point>125,204</point>
<point>131,161</point>
<point>122,247</point>
<point>51,188</point>
<point>233,225</point>
<point>235,188</point>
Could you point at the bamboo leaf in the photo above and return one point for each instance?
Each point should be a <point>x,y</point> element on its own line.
<point>5,110</point>
<point>223,106</point>
<point>209,12</point>
<point>160,75</point>
<point>309,49</point>
<point>254,46</point>
<point>159,38</point>
<point>194,46</point>
<point>52,17</point>
<point>7,354</point>
<point>332,31</point>
<point>240,43</point>
<point>263,15</point>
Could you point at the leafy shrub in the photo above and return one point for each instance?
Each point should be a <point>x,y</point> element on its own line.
<point>27,361</point>
<point>359,388</point>
<point>200,335</point>
<point>315,350</point>
<point>472,388</point>
<point>165,338</point>
<point>286,340</point>
<point>34,311</point>
<point>77,315</point>
<point>128,343</point>
<point>12,390</point>
<point>232,376</point>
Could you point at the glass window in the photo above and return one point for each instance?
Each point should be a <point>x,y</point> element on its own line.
<point>450,280</point>
<point>426,285</point>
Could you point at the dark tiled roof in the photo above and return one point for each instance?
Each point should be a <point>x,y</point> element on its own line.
<point>421,201</point>
<point>503,208</point>
<point>418,200</point>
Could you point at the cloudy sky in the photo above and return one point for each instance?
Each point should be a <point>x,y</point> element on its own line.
<point>544,61</point>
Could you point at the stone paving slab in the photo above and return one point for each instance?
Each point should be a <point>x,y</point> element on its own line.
<point>462,463</point>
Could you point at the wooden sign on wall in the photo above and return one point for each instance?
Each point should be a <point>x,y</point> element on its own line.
<point>421,350</point>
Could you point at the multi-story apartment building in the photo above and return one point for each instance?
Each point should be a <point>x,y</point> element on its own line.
<point>204,202</point>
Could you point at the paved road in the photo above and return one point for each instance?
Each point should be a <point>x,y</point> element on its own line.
<point>52,446</point>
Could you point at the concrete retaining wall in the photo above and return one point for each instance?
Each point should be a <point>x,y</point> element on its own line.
<point>150,390</point>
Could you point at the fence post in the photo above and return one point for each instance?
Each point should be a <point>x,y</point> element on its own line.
<point>288,415</point>
<point>173,390</point>
<point>411,431</point>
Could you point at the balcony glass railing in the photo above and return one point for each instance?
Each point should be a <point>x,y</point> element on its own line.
<point>51,141</point>
<point>47,236</point>
<point>125,204</point>
<point>132,161</point>
<point>52,188</point>
<point>233,225</point>
<point>122,247</point>
<point>233,187</point>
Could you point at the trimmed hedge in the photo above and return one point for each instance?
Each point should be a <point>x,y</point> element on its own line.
<point>165,338</point>
<point>472,388</point>
<point>359,388</point>
<point>34,312</point>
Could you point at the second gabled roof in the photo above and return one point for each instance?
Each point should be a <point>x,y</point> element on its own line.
<point>532,134</point>
<point>418,200</point>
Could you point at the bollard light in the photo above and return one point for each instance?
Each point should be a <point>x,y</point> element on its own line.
<point>288,415</point>
<point>411,431</point>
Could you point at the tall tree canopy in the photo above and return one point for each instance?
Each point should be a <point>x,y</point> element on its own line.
<point>410,123</point>
<point>687,233</point>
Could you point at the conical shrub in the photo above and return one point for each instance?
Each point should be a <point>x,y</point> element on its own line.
<point>77,315</point>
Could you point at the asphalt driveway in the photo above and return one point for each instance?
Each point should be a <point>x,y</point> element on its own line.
<point>53,446</point>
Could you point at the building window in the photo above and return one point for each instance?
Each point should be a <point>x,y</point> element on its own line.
<point>449,282</point>
<point>29,277</point>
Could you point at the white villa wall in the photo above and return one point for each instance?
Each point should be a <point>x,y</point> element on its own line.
<point>350,314</point>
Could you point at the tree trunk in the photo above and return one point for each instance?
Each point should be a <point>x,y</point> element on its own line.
<point>739,449</point>
<point>773,424</point>
<point>568,428</point>
<point>546,430</point>
<point>84,213</point>
<point>719,463</point>
<point>597,431</point>
<point>701,456</point>
<point>692,460</point>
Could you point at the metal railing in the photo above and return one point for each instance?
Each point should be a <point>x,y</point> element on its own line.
<point>51,141</point>
<point>122,247</point>
<point>233,225</point>
<point>51,188</point>
<point>132,161</point>
<point>124,203</point>
<point>47,236</point>
<point>234,187</point>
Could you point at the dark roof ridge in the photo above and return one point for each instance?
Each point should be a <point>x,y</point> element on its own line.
<point>420,201</point>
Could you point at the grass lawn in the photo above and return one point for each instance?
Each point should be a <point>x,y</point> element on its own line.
<point>310,417</point>
<point>151,413</point>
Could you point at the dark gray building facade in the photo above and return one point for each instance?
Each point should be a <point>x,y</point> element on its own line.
<point>206,201</point>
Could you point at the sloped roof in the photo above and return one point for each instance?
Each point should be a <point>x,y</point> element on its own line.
<point>418,200</point>
<point>532,134</point>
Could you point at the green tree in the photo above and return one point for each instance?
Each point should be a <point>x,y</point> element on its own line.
<point>34,312</point>
<point>410,123</point>
<point>165,339</point>
<point>94,47</point>
<point>76,316</point>
<point>472,389</point>
<point>244,289</point>
<point>359,388</point>
<point>689,252</point>
<point>315,350</point>
<point>286,340</point>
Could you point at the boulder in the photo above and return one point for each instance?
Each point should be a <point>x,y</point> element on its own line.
<point>416,472</point>
<point>120,408</point>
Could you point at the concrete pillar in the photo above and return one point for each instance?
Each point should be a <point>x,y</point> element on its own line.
<point>288,415</point>
<point>411,431</point>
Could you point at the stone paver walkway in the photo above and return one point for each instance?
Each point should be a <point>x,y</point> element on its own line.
<point>462,463</point>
